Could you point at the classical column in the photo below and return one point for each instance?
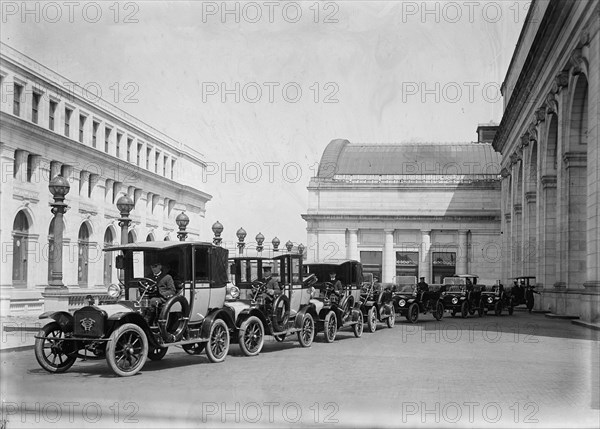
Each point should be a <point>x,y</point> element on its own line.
<point>389,258</point>
<point>529,244</point>
<point>352,250</point>
<point>425,256</point>
<point>462,260</point>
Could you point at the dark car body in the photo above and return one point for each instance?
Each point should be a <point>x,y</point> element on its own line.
<point>410,302</point>
<point>461,293</point>
<point>377,303</point>
<point>496,299</point>
<point>117,330</point>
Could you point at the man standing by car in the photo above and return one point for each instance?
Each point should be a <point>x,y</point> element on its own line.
<point>164,289</point>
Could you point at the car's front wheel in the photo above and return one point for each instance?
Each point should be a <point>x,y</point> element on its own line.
<point>127,350</point>
<point>51,351</point>
<point>439,311</point>
<point>157,353</point>
<point>372,319</point>
<point>330,327</point>
<point>481,309</point>
<point>391,320</point>
<point>307,333</point>
<point>413,313</point>
<point>218,341</point>
<point>359,326</point>
<point>251,336</point>
<point>464,309</point>
<point>498,308</point>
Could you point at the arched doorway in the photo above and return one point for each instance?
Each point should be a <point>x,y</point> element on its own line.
<point>83,255</point>
<point>20,239</point>
<point>108,257</point>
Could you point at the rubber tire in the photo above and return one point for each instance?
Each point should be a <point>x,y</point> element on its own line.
<point>480,310</point>
<point>307,334</point>
<point>439,311</point>
<point>510,310</point>
<point>219,332</point>
<point>391,320</point>
<point>253,327</point>
<point>52,327</point>
<point>280,324</point>
<point>498,309</point>
<point>330,327</point>
<point>464,309</point>
<point>372,319</point>
<point>157,353</point>
<point>171,337</point>
<point>193,349</point>
<point>413,313</point>
<point>112,349</point>
<point>358,328</point>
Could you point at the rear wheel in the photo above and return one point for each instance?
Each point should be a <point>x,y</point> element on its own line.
<point>52,352</point>
<point>359,326</point>
<point>413,313</point>
<point>372,319</point>
<point>439,311</point>
<point>251,336</point>
<point>218,341</point>
<point>307,333</point>
<point>157,353</point>
<point>127,350</point>
<point>391,320</point>
<point>464,309</point>
<point>330,327</point>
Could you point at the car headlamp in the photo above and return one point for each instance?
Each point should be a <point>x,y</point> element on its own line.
<point>454,300</point>
<point>114,291</point>
<point>233,292</point>
<point>490,299</point>
<point>402,303</point>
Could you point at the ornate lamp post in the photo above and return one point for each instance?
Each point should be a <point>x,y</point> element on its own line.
<point>275,242</point>
<point>241,235</point>
<point>289,246</point>
<point>125,205</point>
<point>182,221</point>
<point>301,250</point>
<point>217,229</point>
<point>259,242</point>
<point>59,187</point>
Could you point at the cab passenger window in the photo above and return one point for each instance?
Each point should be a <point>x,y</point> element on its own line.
<point>201,264</point>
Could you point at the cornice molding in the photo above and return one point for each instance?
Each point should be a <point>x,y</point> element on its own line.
<point>575,159</point>
<point>548,181</point>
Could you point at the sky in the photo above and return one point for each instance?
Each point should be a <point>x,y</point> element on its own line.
<point>261,88</point>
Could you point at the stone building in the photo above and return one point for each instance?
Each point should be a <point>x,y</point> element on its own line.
<point>548,138</point>
<point>424,209</point>
<point>51,126</point>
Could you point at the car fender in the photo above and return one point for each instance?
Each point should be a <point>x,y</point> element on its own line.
<point>249,312</point>
<point>222,313</point>
<point>63,318</point>
<point>117,319</point>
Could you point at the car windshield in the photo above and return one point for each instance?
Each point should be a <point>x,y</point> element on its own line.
<point>454,281</point>
<point>405,288</point>
<point>456,288</point>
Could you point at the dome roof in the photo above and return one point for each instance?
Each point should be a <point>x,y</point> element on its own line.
<point>344,158</point>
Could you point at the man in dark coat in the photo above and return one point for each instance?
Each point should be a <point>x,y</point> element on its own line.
<point>163,290</point>
<point>529,300</point>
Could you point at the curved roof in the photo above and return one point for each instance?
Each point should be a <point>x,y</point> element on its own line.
<point>344,158</point>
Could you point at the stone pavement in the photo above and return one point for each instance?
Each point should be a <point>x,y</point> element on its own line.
<point>18,331</point>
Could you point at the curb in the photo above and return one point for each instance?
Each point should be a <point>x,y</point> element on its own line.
<point>593,326</point>
<point>16,349</point>
<point>558,316</point>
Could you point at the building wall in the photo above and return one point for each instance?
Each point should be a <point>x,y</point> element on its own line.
<point>36,145</point>
<point>548,138</point>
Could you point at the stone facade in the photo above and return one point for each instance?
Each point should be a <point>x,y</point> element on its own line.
<point>426,210</point>
<point>51,127</point>
<point>548,138</point>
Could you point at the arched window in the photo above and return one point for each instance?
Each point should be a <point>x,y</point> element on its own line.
<point>83,255</point>
<point>20,238</point>
<point>108,257</point>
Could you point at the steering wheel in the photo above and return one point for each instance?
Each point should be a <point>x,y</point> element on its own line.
<point>257,288</point>
<point>145,285</point>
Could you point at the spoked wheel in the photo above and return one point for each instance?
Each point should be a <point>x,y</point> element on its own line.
<point>391,320</point>
<point>127,350</point>
<point>307,334</point>
<point>372,319</point>
<point>359,326</point>
<point>498,309</point>
<point>193,349</point>
<point>480,310</point>
<point>218,341</point>
<point>413,313</point>
<point>279,338</point>
<point>251,336</point>
<point>330,327</point>
<point>439,311</point>
<point>464,310</point>
<point>157,353</point>
<point>52,352</point>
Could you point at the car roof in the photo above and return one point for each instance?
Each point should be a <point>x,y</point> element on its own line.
<point>523,277</point>
<point>157,245</point>
<point>337,262</point>
<point>463,276</point>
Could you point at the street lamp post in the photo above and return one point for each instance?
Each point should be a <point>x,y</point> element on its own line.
<point>241,235</point>
<point>289,246</point>
<point>217,229</point>
<point>275,242</point>
<point>259,242</point>
<point>59,187</point>
<point>125,204</point>
<point>182,221</point>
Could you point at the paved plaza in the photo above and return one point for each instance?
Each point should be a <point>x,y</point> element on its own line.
<point>524,370</point>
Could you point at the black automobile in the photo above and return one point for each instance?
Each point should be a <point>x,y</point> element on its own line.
<point>461,293</point>
<point>336,296</point>
<point>409,301</point>
<point>376,303</point>
<point>194,318</point>
<point>496,299</point>
<point>282,314</point>
<point>519,292</point>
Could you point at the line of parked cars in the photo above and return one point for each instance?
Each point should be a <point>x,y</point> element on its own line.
<point>222,299</point>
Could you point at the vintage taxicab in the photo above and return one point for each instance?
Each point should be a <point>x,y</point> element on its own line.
<point>194,318</point>
<point>461,293</point>
<point>376,303</point>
